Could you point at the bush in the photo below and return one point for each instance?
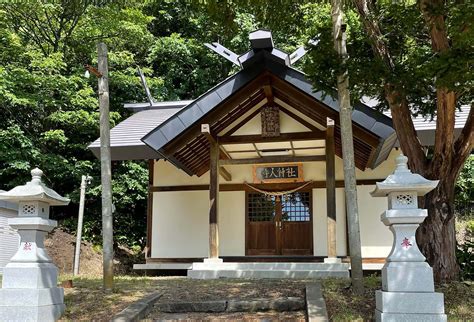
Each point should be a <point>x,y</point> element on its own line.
<point>465,253</point>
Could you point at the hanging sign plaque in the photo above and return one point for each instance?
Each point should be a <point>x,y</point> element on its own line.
<point>278,172</point>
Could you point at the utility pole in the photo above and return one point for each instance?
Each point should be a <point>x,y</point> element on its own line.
<point>105,168</point>
<point>84,181</point>
<point>345,120</point>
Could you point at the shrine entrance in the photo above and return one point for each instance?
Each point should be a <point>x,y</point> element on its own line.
<point>279,224</point>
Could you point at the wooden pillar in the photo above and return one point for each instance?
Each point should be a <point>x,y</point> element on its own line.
<point>214,200</point>
<point>331,188</point>
<point>149,210</point>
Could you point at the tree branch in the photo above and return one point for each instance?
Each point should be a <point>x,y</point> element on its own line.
<point>401,114</point>
<point>465,142</point>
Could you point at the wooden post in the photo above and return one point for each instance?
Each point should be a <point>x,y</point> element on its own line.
<point>106,169</point>
<point>345,117</point>
<point>331,188</point>
<point>77,254</point>
<point>214,201</point>
<point>149,210</point>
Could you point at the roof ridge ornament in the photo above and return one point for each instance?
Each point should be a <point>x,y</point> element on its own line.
<point>261,40</point>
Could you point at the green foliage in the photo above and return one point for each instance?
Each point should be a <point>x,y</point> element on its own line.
<point>49,111</point>
<point>465,253</point>
<point>464,189</point>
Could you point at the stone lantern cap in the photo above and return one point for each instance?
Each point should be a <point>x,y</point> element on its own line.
<point>403,180</point>
<point>35,190</point>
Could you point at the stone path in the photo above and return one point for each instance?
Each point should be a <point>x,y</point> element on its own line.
<point>297,308</point>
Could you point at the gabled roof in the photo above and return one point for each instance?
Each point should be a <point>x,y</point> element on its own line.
<point>172,130</point>
<point>286,79</point>
<point>125,138</point>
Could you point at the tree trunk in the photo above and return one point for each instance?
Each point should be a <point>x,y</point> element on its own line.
<point>436,236</point>
<point>350,184</point>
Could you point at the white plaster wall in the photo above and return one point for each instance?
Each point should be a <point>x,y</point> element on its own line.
<point>320,223</point>
<point>232,223</point>
<point>376,238</point>
<point>181,224</point>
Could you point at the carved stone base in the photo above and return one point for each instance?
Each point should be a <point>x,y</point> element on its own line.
<point>44,304</point>
<point>29,275</point>
<point>407,277</point>
<point>403,303</point>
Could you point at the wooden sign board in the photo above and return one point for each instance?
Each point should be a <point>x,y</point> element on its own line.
<point>278,172</point>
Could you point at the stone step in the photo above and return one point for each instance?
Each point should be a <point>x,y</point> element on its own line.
<point>262,273</point>
<point>272,266</point>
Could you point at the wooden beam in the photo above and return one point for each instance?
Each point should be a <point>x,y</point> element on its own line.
<point>214,201</point>
<point>243,122</point>
<point>331,188</point>
<point>275,159</point>
<point>299,119</point>
<point>223,109</point>
<point>303,99</point>
<point>266,186</point>
<point>225,174</point>
<point>268,93</point>
<point>257,138</point>
<point>206,131</point>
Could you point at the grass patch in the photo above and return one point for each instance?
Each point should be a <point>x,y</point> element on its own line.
<point>343,305</point>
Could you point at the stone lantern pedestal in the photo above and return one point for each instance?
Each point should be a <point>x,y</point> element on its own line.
<point>29,286</point>
<point>407,280</point>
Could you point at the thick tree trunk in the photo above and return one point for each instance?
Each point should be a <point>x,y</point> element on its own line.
<point>436,237</point>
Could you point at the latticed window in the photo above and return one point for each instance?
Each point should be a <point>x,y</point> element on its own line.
<point>261,207</point>
<point>293,207</point>
<point>296,207</point>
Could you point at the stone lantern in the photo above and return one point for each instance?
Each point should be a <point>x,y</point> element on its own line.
<point>407,280</point>
<point>29,285</point>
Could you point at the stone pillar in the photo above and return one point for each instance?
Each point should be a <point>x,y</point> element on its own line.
<point>407,280</point>
<point>29,287</point>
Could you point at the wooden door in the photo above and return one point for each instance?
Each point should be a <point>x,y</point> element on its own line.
<point>296,233</point>
<point>261,232</point>
<point>279,225</point>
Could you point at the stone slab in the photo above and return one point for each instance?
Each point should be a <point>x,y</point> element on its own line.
<point>272,266</point>
<point>182,307</point>
<point>332,260</point>
<point>31,297</point>
<point>407,277</point>
<point>403,302</point>
<point>213,261</point>
<point>29,275</point>
<point>286,304</point>
<point>45,313</point>
<point>137,310</point>
<point>400,317</point>
<point>212,274</point>
<point>315,304</point>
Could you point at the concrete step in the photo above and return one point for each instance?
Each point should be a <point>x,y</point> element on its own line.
<point>272,266</point>
<point>263,273</point>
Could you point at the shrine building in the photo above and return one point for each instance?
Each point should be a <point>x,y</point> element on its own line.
<point>251,171</point>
